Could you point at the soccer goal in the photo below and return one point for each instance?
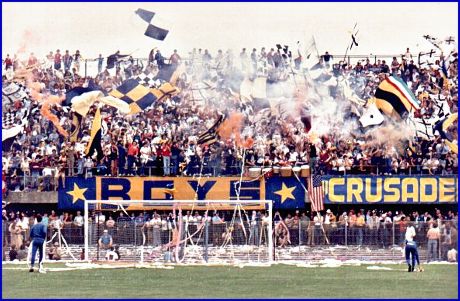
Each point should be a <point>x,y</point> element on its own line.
<point>179,231</point>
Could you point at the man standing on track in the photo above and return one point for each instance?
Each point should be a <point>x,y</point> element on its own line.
<point>37,238</point>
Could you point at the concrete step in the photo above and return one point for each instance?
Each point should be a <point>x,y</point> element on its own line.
<point>303,253</point>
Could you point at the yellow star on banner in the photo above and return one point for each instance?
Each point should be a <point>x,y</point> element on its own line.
<point>285,193</point>
<point>77,193</point>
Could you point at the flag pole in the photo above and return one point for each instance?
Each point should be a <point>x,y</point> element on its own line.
<point>314,43</point>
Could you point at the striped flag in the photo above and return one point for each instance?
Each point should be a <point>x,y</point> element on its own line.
<point>316,192</point>
<point>211,136</point>
<point>94,143</point>
<point>393,94</point>
<point>75,128</point>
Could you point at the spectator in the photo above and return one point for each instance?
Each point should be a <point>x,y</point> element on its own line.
<point>16,235</point>
<point>181,120</point>
<point>360,222</point>
<point>8,62</point>
<point>13,254</point>
<point>32,60</point>
<point>156,226</point>
<point>175,58</point>
<point>244,60</point>
<point>100,62</point>
<point>159,59</point>
<point>77,60</point>
<point>67,58</point>
<point>318,230</point>
<point>327,58</point>
<point>57,60</point>
<point>111,255</point>
<point>133,152</point>
<point>55,252</point>
<point>166,155</point>
<point>433,236</point>
<point>105,241</point>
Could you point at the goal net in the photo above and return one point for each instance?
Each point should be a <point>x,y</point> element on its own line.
<point>188,232</point>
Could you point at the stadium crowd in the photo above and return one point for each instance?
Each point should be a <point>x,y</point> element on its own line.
<point>359,227</point>
<point>162,140</point>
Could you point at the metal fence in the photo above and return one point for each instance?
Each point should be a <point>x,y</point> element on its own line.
<point>286,235</point>
<point>91,67</point>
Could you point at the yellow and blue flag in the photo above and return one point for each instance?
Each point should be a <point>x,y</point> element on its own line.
<point>134,94</point>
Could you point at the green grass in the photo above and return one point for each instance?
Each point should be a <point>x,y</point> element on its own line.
<point>278,281</point>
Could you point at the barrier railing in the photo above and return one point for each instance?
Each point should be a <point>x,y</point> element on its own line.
<point>377,235</point>
<point>287,234</point>
<point>91,66</point>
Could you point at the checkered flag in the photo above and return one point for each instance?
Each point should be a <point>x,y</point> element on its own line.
<point>152,31</point>
<point>14,92</point>
<point>8,120</point>
<point>148,79</point>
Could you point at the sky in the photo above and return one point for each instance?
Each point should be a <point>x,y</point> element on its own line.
<point>93,28</point>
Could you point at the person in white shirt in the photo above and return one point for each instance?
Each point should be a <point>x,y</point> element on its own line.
<point>411,247</point>
<point>146,153</point>
<point>49,148</point>
<point>111,255</point>
<point>187,218</point>
<point>318,221</point>
<point>156,222</point>
<point>24,222</point>
<point>407,56</point>
<point>197,218</point>
<point>78,220</point>
<point>254,228</point>
<point>100,218</point>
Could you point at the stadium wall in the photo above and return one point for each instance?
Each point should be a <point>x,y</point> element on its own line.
<point>286,192</point>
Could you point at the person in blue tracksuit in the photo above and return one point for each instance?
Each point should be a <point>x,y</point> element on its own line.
<point>37,238</point>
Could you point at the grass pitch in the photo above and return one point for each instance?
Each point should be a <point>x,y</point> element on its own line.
<point>277,281</point>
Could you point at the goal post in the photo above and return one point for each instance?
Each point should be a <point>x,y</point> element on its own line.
<point>179,231</point>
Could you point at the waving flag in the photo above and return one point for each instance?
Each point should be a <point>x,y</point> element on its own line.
<point>75,129</point>
<point>156,33</point>
<point>145,15</point>
<point>8,136</point>
<point>164,91</point>
<point>94,143</point>
<point>393,95</point>
<point>210,136</point>
<point>10,133</point>
<point>152,30</point>
<point>147,79</point>
<point>170,73</point>
<point>14,92</point>
<point>316,192</point>
<point>443,126</point>
<point>134,94</point>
